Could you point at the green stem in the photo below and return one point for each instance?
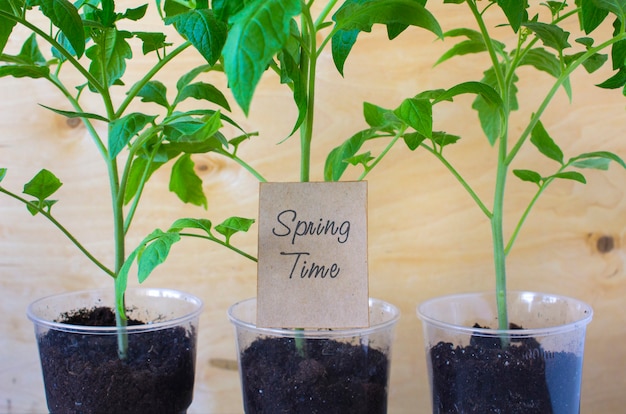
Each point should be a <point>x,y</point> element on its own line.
<point>497,218</point>
<point>461,180</point>
<point>308,66</point>
<point>391,143</point>
<point>63,230</point>
<point>221,242</point>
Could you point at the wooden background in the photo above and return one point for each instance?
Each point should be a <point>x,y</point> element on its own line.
<point>426,236</point>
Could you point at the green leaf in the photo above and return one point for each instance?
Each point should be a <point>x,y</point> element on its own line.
<point>259,31</point>
<point>617,7</point>
<point>205,32</point>
<point>591,16</point>
<point>585,160</point>
<point>195,130</point>
<point>515,11</point>
<point>528,175</point>
<point>356,16</point>
<point>65,16</point>
<point>490,115</point>
<point>34,208</point>
<point>413,140</point>
<point>545,144</point>
<point>30,52</point>
<point>139,171</point>
<point>233,225</point>
<point>108,56</point>
<point>135,14</point>
<point>191,75</point>
<point>150,41</point>
<point>360,159</point>
<point>489,95</point>
<point>122,130</point>
<point>154,252</point>
<point>618,54</point>
<point>3,173</point>
<point>418,114</point>
<point>363,14</point>
<point>341,45</point>
<point>616,81</point>
<point>336,163</point>
<point>185,183</point>
<point>380,118</point>
<point>203,91</point>
<point>6,25</point>
<point>72,114</point>
<point>42,185</point>
<point>443,138</point>
<point>570,175</point>
<point>156,92</point>
<point>551,35</point>
<point>545,61</point>
<point>25,71</point>
<point>190,223</point>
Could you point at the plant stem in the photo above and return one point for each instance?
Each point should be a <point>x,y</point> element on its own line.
<point>63,230</point>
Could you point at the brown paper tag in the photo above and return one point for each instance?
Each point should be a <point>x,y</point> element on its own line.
<point>312,269</point>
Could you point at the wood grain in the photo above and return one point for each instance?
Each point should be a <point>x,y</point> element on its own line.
<point>426,237</point>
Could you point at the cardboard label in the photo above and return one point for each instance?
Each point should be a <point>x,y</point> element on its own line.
<point>312,259</point>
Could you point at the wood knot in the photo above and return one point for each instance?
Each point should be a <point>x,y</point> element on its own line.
<point>605,244</point>
<point>73,122</point>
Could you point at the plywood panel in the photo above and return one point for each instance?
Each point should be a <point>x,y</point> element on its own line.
<point>426,236</point>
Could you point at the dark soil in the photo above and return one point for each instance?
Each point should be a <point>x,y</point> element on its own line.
<point>332,378</point>
<point>485,378</point>
<point>83,373</point>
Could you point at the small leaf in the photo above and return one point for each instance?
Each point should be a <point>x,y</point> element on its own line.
<point>336,163</point>
<point>139,171</point>
<point>150,41</point>
<point>206,33</point>
<point>380,118</point>
<point>363,14</point>
<point>360,159</point>
<point>551,35</point>
<point>155,252</point>
<point>545,144</point>
<point>108,56</point>
<point>515,11</point>
<point>203,91</point>
<point>185,183</point>
<point>202,224</point>
<point>35,207</point>
<point>72,114</point>
<point>413,140</point>
<point>156,92</point>
<point>25,71</point>
<point>489,95</point>
<point>614,82</point>
<point>570,175</point>
<point>122,130</point>
<point>191,75</point>
<point>135,14</point>
<point>3,173</point>
<point>442,138</point>
<point>341,45</point>
<point>418,114</point>
<point>42,185</point>
<point>528,175</point>
<point>30,52</point>
<point>606,155</point>
<point>233,225</point>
